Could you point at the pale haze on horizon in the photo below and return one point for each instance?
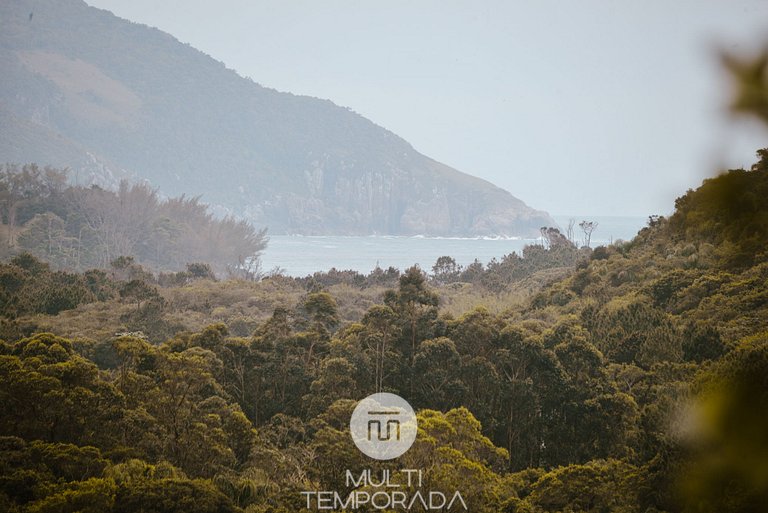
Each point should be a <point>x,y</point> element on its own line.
<point>592,107</point>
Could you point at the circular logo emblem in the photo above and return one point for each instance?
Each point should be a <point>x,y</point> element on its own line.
<point>383,426</point>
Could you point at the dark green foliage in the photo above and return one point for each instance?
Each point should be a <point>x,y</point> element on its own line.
<point>600,253</point>
<point>730,211</point>
<point>636,332</point>
<point>138,291</point>
<point>52,394</point>
<point>598,486</point>
<point>172,496</point>
<point>729,442</point>
<point>702,342</point>
<point>577,399</point>
<point>416,309</point>
<point>445,269</point>
<point>667,288</point>
<point>500,274</point>
<point>28,285</point>
<point>437,375</point>
<point>199,270</point>
<point>378,277</point>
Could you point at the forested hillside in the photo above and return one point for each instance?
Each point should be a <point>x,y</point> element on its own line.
<point>629,378</point>
<point>113,99</point>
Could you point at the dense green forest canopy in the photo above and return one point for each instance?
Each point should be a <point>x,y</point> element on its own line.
<point>630,378</point>
<point>76,227</point>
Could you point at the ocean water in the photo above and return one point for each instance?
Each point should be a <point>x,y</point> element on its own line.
<point>299,255</point>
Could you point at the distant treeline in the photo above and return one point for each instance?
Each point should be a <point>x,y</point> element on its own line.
<point>75,227</point>
<point>496,276</point>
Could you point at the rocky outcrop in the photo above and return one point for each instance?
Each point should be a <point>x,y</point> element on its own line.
<point>407,201</point>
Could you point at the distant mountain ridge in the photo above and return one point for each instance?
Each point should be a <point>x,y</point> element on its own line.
<point>113,99</point>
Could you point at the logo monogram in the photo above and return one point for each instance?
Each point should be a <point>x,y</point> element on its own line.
<point>383,426</point>
<point>377,423</point>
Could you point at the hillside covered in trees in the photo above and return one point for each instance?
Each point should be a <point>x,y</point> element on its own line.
<point>113,99</point>
<point>630,378</point>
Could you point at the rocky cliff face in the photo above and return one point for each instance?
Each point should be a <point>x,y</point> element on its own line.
<point>423,198</point>
<point>111,99</point>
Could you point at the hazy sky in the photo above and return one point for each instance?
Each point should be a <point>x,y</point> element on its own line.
<point>577,107</point>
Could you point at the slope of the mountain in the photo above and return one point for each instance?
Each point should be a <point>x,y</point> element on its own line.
<point>111,98</point>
